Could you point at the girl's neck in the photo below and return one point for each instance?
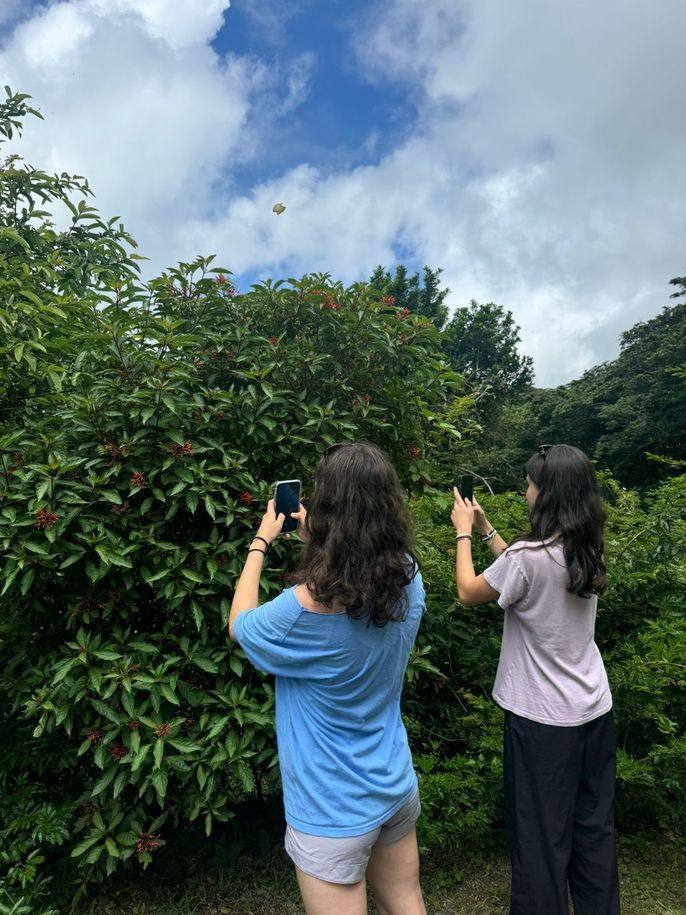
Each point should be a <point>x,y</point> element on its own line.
<point>306,600</point>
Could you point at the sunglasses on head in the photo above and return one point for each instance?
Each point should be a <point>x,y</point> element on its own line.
<point>543,450</point>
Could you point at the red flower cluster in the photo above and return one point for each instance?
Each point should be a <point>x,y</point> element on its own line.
<point>138,479</point>
<point>45,518</point>
<point>403,313</point>
<point>95,737</point>
<point>118,751</point>
<point>387,300</point>
<point>273,341</point>
<point>180,450</point>
<point>163,730</point>
<point>331,305</point>
<point>413,452</point>
<point>226,286</point>
<point>221,559</point>
<point>114,452</point>
<point>147,842</point>
<point>245,498</point>
<point>18,460</point>
<point>121,509</point>
<point>134,724</point>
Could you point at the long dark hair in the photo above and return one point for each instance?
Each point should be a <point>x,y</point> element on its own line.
<point>359,553</point>
<point>569,505</point>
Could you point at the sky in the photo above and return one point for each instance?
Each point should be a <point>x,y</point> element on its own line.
<point>534,150</point>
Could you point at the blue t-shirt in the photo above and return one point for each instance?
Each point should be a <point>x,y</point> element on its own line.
<point>345,762</point>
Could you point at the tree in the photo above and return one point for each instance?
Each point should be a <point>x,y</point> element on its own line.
<point>51,281</point>
<point>420,295</point>
<point>481,341</point>
<point>623,411</point>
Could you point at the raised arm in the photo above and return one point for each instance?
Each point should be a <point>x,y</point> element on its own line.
<point>247,593</point>
<point>471,588</point>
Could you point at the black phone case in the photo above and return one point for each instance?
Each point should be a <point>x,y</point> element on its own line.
<point>287,505</point>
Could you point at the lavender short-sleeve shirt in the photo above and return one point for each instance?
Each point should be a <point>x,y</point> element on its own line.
<point>550,668</point>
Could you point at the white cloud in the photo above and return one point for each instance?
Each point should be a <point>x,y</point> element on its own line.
<point>564,119</point>
<point>135,99</point>
<point>545,171</point>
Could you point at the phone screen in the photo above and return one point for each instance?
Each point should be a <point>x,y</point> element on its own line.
<point>467,487</point>
<point>287,500</point>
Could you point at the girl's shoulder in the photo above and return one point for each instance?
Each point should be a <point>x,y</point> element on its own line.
<point>535,546</point>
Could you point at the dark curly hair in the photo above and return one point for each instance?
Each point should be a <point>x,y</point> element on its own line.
<point>359,552</point>
<point>569,505</point>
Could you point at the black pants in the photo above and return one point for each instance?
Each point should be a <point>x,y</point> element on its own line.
<point>559,810</point>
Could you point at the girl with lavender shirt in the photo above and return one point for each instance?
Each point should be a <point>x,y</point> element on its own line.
<point>559,740</point>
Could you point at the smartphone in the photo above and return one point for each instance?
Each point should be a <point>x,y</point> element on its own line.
<point>467,487</point>
<point>287,500</point>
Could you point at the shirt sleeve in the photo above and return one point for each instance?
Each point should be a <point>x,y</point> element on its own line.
<point>507,577</point>
<point>270,641</point>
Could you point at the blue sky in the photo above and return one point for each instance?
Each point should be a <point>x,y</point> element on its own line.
<point>530,149</point>
<point>344,118</point>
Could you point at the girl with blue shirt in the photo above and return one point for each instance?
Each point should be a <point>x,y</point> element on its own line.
<point>338,644</point>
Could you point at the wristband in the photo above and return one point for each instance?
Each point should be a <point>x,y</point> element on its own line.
<point>489,536</point>
<point>463,537</point>
<point>256,549</point>
<point>265,542</point>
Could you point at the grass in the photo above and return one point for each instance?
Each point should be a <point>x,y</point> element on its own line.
<point>260,881</point>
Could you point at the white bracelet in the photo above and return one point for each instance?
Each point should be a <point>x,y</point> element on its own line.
<point>486,538</point>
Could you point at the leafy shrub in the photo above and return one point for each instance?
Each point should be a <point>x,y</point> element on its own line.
<point>641,634</point>
<point>134,467</point>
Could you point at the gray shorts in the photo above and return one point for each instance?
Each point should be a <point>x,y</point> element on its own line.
<point>344,860</point>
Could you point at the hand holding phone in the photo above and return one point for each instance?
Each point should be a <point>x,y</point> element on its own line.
<point>287,500</point>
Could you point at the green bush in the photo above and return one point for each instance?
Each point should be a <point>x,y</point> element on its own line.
<point>641,633</point>
<point>137,454</point>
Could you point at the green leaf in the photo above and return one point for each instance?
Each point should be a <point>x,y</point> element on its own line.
<point>128,703</point>
<point>111,496</point>
<point>205,664</point>
<point>111,847</point>
<point>106,654</point>
<point>160,779</point>
<point>105,710</point>
<point>83,846</point>
<point>168,694</point>
<point>104,782</point>
<point>184,746</point>
<point>192,575</point>
<point>140,757</point>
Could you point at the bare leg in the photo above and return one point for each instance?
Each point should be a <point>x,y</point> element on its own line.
<point>322,898</point>
<point>393,873</point>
